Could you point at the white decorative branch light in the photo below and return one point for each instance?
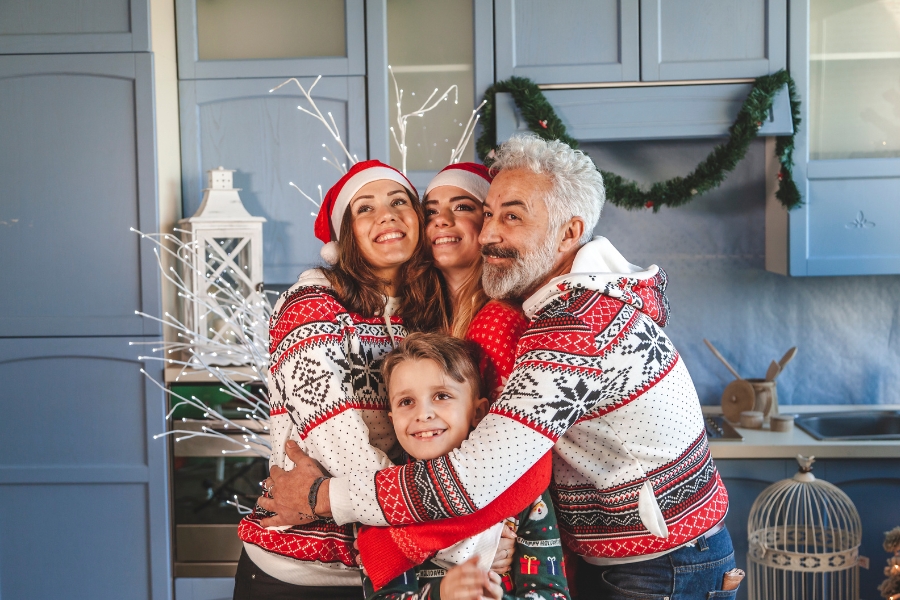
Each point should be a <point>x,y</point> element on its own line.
<point>429,105</point>
<point>329,124</point>
<point>247,319</point>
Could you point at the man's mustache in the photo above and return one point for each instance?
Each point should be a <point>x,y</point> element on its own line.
<point>495,251</point>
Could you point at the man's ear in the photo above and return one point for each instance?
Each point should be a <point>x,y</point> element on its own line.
<point>571,234</point>
<point>390,416</point>
<point>481,411</point>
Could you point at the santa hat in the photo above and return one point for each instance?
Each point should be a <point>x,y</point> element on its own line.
<point>472,177</point>
<point>336,201</point>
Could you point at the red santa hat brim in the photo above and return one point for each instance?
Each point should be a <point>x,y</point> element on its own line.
<point>471,177</point>
<point>336,201</point>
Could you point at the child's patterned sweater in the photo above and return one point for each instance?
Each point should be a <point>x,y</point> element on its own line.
<point>597,380</point>
<point>537,573</point>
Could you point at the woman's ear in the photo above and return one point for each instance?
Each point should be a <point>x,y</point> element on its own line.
<point>481,411</point>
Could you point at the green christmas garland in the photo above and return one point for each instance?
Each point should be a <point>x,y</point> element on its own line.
<point>709,174</point>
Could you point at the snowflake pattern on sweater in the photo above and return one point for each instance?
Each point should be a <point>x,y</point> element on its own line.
<point>597,380</point>
<point>327,394</point>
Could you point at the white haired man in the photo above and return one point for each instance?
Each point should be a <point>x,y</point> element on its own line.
<point>638,496</point>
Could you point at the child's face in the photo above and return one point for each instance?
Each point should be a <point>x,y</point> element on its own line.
<point>432,413</point>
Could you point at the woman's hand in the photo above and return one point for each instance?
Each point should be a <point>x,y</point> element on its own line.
<point>505,549</point>
<point>468,582</point>
<point>289,491</point>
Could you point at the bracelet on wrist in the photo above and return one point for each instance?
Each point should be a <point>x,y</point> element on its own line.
<point>314,496</point>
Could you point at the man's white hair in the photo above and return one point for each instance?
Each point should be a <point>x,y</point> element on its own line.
<point>577,186</point>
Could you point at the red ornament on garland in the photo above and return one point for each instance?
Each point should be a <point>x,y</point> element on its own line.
<point>649,204</point>
<point>543,123</point>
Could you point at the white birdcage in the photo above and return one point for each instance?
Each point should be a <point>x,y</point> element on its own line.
<point>804,536</point>
<point>225,264</point>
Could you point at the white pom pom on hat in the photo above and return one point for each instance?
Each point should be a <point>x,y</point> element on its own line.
<point>336,201</point>
<point>329,253</point>
<point>471,177</point>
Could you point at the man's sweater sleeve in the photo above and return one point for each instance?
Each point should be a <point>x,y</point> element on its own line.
<point>536,408</point>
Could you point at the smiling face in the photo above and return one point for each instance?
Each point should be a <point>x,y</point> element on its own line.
<point>432,413</point>
<point>453,219</point>
<point>385,226</point>
<point>519,244</point>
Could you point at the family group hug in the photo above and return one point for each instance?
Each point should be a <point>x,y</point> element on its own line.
<point>475,399</point>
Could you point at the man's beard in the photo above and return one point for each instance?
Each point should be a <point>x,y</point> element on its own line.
<point>526,273</point>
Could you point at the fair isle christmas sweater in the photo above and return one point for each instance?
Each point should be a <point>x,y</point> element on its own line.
<point>326,393</point>
<point>496,329</point>
<point>538,572</point>
<point>598,381</point>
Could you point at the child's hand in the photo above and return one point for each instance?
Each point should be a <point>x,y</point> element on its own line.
<point>494,591</point>
<point>504,556</point>
<point>468,582</point>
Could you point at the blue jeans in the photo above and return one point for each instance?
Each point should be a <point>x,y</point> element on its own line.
<point>689,573</point>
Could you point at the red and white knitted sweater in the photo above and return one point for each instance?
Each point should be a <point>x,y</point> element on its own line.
<point>326,393</point>
<point>597,380</point>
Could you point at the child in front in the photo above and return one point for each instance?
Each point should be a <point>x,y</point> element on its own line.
<point>436,399</point>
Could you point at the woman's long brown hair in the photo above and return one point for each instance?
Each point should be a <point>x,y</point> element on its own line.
<point>424,301</point>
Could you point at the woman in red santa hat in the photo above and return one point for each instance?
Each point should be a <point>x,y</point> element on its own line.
<point>454,213</point>
<point>328,334</point>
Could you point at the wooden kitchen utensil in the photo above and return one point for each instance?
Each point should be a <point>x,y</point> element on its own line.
<point>737,398</point>
<point>773,371</point>
<point>722,358</point>
<point>788,357</point>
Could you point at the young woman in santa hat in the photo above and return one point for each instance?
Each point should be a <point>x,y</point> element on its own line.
<point>454,213</point>
<point>328,334</point>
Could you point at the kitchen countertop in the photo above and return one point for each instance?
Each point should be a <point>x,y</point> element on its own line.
<point>762,443</point>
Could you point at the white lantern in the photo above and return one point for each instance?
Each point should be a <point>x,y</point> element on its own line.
<point>224,245</point>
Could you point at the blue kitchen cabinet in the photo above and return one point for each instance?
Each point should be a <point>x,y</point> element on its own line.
<point>238,124</point>
<point>230,38</point>
<point>567,41</point>
<point>83,486</point>
<point>58,26</point>
<point>712,39</point>
<point>844,62</point>
<point>78,170</point>
<point>872,484</point>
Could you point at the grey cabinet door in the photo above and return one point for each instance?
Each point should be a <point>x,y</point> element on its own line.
<point>567,41</point>
<point>847,224</point>
<point>45,26</point>
<point>83,487</point>
<point>351,60</point>
<point>238,124</point>
<point>712,39</point>
<point>78,169</point>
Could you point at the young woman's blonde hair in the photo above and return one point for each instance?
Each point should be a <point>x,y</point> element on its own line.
<point>471,298</point>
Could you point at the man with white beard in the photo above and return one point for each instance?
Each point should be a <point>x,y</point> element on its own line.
<point>637,494</point>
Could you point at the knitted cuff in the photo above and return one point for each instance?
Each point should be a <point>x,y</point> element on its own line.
<point>381,556</point>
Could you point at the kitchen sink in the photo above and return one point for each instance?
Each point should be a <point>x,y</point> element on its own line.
<point>861,425</point>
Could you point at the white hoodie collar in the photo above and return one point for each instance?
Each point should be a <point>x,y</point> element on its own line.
<point>596,265</point>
